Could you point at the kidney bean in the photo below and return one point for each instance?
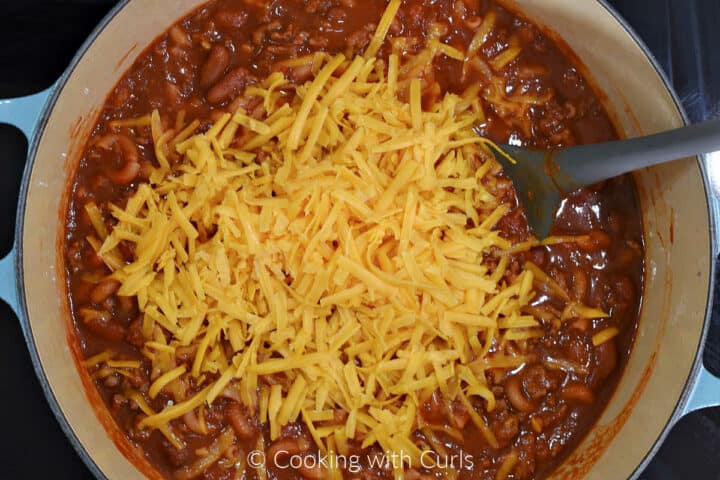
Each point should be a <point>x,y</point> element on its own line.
<point>126,306</point>
<point>99,322</point>
<point>230,85</point>
<point>180,36</point>
<point>232,18</point>
<point>605,360</point>
<point>215,66</point>
<point>104,289</point>
<point>134,334</point>
<point>248,104</point>
<point>245,49</point>
<point>577,391</point>
<point>300,74</point>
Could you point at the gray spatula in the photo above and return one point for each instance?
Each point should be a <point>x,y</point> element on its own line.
<point>542,177</point>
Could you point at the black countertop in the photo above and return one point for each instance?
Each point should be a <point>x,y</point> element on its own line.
<point>37,41</point>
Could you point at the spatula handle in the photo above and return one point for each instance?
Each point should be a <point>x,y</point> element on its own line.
<point>589,164</point>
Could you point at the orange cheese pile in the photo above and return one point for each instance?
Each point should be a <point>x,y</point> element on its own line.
<point>326,255</point>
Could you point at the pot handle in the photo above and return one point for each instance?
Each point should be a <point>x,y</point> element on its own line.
<point>704,393</point>
<point>8,281</point>
<point>22,113</point>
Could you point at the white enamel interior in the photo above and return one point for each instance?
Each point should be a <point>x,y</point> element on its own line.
<point>678,272</point>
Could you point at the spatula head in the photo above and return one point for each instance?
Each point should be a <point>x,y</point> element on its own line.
<point>532,176</point>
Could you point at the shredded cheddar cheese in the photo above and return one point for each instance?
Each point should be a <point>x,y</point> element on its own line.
<point>335,245</point>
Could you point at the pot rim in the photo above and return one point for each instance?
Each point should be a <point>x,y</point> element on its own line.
<point>714,239</point>
<point>57,89</point>
<point>22,313</point>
